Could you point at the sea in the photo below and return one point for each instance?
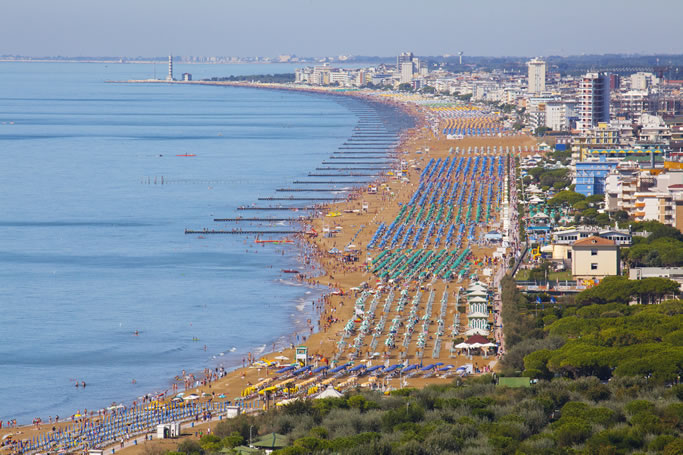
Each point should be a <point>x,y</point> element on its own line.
<point>98,281</point>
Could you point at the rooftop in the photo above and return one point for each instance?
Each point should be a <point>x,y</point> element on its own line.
<point>594,241</point>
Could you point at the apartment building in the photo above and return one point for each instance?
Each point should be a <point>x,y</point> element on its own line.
<point>594,100</point>
<point>537,68</point>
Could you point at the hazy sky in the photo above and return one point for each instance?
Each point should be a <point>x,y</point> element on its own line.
<point>328,27</point>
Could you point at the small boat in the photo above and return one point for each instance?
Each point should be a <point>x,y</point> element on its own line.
<point>187,154</point>
<point>290,271</point>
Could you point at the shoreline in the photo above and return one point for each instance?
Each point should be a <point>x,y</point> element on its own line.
<point>309,283</point>
<point>238,378</point>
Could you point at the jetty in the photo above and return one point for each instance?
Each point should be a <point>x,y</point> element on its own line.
<point>279,208</point>
<point>240,231</point>
<point>292,198</point>
<point>257,219</point>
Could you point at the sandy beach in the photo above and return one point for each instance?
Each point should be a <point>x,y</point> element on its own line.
<point>356,223</point>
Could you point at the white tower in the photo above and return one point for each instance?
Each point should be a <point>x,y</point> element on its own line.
<point>536,76</point>
<point>170,68</point>
<point>460,56</point>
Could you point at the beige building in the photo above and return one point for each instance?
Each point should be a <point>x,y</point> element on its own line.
<point>595,257</point>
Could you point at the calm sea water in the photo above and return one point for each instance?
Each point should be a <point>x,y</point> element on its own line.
<point>91,249</point>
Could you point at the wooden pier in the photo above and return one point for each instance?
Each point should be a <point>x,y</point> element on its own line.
<point>240,232</point>
<point>330,182</point>
<point>377,163</point>
<point>264,220</point>
<point>279,208</point>
<point>346,147</point>
<point>292,198</point>
<point>306,190</point>
<point>384,168</point>
<point>341,174</point>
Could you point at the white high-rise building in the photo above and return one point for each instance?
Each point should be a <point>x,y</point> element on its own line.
<point>536,75</point>
<point>404,57</point>
<point>556,117</point>
<point>406,72</point>
<point>593,100</point>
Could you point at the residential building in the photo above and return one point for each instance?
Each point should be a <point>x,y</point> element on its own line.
<point>621,185</point>
<point>654,206</point>
<point>641,81</point>
<point>404,57</point>
<point>406,72</point>
<point>537,69</point>
<point>602,136</point>
<point>591,175</point>
<point>675,124</point>
<point>556,116</point>
<point>672,273</point>
<point>593,100</point>
<point>595,257</point>
<point>621,237</point>
<point>339,77</point>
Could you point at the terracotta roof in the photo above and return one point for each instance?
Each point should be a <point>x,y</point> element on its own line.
<point>594,241</point>
<point>477,339</point>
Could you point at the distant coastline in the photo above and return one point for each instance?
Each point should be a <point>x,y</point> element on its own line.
<point>133,62</point>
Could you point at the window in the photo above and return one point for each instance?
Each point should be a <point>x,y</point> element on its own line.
<point>594,252</point>
<point>594,266</point>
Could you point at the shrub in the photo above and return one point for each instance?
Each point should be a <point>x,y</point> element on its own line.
<point>190,447</point>
<point>234,440</point>
<point>661,441</point>
<point>572,431</point>
<point>240,424</point>
<point>319,432</point>
<point>637,406</point>
<point>674,447</point>
<point>312,444</point>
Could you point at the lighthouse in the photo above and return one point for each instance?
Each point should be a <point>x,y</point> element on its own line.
<point>170,68</point>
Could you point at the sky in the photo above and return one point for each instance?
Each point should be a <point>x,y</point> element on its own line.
<point>347,27</point>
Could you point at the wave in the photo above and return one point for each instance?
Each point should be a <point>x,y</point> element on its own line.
<point>290,282</point>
